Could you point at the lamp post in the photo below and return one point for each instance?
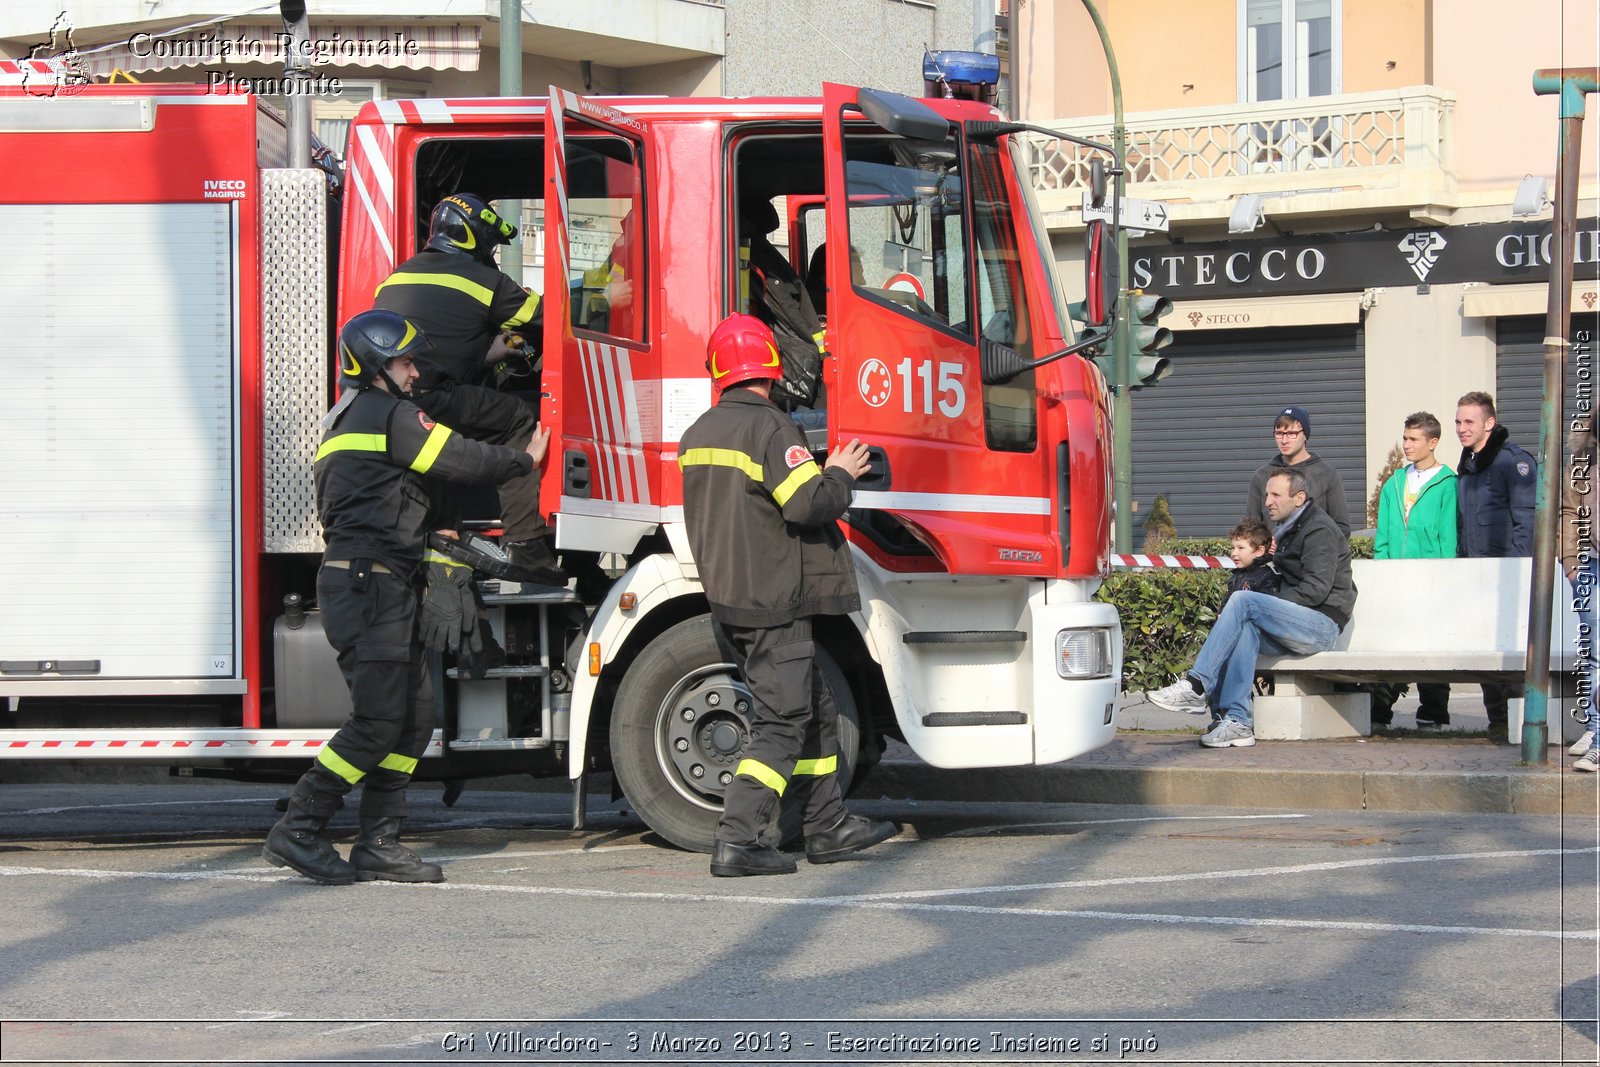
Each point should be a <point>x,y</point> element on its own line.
<point>1571,85</point>
<point>511,85</point>
<point>1121,335</point>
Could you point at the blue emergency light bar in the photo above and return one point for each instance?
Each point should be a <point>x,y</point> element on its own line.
<point>963,68</point>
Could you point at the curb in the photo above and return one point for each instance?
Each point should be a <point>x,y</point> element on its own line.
<point>1513,793</point>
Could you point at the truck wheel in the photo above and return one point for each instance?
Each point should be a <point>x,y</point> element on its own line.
<point>678,729</point>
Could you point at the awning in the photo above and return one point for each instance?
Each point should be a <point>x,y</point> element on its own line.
<point>412,46</point>
<point>1308,309</point>
<point>1527,298</point>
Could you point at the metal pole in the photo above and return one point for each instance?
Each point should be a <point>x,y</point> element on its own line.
<point>1121,332</point>
<point>511,85</point>
<point>1571,85</point>
<point>983,39</point>
<point>297,80</point>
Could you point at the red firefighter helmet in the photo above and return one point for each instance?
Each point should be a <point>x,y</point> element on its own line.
<point>742,349</point>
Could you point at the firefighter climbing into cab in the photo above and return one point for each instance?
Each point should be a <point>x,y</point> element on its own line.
<point>472,312</point>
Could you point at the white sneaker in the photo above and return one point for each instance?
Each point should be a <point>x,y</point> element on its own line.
<point>1179,696</point>
<point>1581,745</point>
<point>1229,733</point>
<point>1589,762</point>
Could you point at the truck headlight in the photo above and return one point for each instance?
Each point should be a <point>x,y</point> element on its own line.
<point>1083,653</point>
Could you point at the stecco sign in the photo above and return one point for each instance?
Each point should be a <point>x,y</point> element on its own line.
<point>1333,263</point>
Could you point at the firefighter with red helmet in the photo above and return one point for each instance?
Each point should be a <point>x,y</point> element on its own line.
<point>762,519</point>
<point>456,294</point>
<point>370,472</point>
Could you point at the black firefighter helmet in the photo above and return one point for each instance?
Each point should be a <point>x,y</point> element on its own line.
<point>464,224</point>
<point>370,340</point>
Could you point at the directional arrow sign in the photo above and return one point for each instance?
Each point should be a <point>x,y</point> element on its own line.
<point>1136,214</point>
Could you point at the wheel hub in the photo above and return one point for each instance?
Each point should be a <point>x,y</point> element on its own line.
<point>703,727</point>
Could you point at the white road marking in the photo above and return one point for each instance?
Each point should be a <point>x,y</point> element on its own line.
<point>973,831</point>
<point>1201,876</point>
<point>349,1029</point>
<point>198,805</point>
<point>255,1017</point>
<point>445,857</point>
<point>903,901</point>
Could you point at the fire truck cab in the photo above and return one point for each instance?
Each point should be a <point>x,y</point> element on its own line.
<point>195,275</point>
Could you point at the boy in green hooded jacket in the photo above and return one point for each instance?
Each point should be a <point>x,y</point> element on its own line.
<point>1417,520</point>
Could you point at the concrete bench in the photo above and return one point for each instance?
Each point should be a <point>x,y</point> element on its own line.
<point>1454,620</point>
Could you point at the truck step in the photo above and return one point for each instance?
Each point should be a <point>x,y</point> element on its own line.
<point>965,637</point>
<point>975,718</point>
<point>531,594</point>
<point>534,671</point>
<point>498,744</point>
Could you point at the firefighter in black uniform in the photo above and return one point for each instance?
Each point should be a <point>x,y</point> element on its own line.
<point>763,527</point>
<point>370,470</point>
<point>456,295</point>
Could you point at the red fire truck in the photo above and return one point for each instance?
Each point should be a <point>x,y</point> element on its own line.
<point>168,302</point>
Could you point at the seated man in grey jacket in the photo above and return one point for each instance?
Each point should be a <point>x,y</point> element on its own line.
<point>1310,609</point>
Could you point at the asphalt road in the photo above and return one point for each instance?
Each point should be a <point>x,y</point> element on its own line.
<point>141,924</point>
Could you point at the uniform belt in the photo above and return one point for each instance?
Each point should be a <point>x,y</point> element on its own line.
<point>344,565</point>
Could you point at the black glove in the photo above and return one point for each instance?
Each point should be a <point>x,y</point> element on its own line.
<point>443,618</point>
<point>471,617</point>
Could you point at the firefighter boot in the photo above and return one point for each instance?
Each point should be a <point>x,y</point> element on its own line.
<point>297,841</point>
<point>851,833</point>
<point>378,854</point>
<point>533,562</point>
<point>733,860</point>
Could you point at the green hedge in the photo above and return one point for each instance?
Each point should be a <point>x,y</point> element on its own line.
<point>1166,613</point>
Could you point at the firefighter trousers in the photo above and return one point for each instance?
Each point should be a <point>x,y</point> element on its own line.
<point>499,419</point>
<point>792,754</point>
<point>370,618</point>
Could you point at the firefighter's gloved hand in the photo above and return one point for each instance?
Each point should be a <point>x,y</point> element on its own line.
<point>446,604</point>
<point>471,632</point>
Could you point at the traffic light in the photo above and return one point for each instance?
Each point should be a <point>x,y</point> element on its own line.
<point>1149,339</point>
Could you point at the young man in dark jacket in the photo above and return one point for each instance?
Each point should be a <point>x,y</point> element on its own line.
<point>1311,607</point>
<point>1496,483</point>
<point>763,526</point>
<point>1291,429</point>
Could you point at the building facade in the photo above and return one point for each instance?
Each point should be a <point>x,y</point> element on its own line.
<point>1338,179</point>
<point>367,50</point>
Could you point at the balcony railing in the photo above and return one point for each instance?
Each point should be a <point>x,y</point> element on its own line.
<point>1356,139</point>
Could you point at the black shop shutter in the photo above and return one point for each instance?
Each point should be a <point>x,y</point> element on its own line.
<point>1201,434</point>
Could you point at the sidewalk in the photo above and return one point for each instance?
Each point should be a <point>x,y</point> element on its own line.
<point>1151,762</point>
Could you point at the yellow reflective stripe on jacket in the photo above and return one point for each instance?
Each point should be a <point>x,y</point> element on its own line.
<point>816,766</point>
<point>339,765</point>
<point>430,449</point>
<point>353,442</point>
<point>721,457</point>
<point>802,474</point>
<point>524,313</point>
<point>396,762</point>
<point>481,293</point>
<point>762,773</point>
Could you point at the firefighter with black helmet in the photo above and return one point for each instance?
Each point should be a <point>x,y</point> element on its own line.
<point>377,452</point>
<point>763,526</point>
<point>456,294</point>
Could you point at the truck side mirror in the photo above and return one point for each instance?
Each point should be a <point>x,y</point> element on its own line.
<point>903,115</point>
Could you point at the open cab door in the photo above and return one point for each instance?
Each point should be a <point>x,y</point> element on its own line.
<point>602,469</point>
<point>929,220</point>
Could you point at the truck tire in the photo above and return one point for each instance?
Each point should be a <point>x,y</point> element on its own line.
<point>678,731</point>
